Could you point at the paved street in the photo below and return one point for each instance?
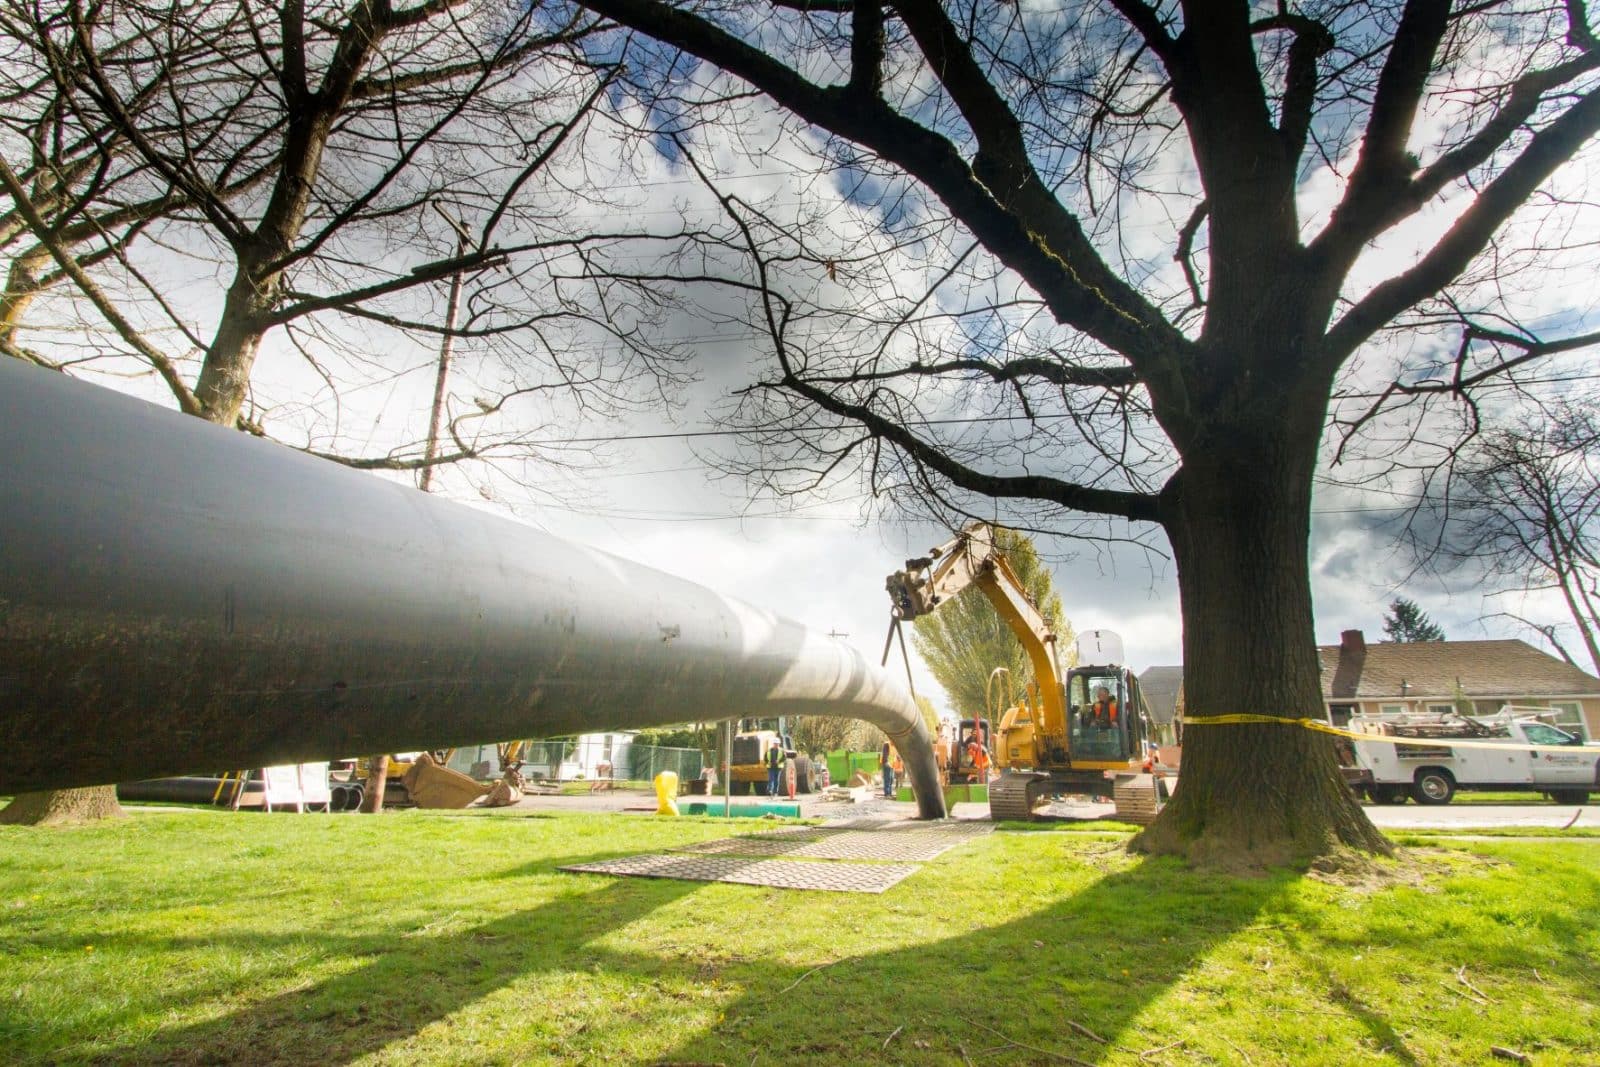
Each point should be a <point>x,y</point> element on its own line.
<point>1408,816</point>
<point>1480,816</point>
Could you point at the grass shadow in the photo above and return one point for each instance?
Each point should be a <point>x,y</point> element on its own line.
<point>404,984</point>
<point>1097,957</point>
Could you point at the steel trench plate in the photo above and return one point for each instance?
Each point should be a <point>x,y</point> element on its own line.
<point>896,842</point>
<point>777,873</point>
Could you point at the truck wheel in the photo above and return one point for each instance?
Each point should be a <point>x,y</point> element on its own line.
<point>1386,794</point>
<point>802,775</point>
<point>1433,785</point>
<point>1569,796</point>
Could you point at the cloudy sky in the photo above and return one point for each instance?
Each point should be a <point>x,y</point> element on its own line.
<point>651,490</point>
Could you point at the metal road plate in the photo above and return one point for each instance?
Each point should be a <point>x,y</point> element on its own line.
<point>779,873</point>
<point>866,840</point>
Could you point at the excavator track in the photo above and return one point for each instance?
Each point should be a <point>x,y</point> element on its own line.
<point>1015,794</point>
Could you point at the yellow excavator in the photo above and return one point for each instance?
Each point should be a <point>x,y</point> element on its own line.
<point>1065,734</point>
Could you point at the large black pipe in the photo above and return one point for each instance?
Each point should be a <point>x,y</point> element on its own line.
<point>175,596</point>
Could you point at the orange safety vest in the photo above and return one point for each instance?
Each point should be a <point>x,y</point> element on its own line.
<point>1104,711</point>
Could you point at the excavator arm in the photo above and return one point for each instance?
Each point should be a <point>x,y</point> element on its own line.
<point>970,558</point>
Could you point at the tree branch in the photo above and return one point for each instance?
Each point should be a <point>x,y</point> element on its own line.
<point>125,329</point>
<point>1049,249</point>
<point>1472,231</point>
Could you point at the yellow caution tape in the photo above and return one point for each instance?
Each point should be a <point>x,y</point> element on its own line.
<point>1422,742</point>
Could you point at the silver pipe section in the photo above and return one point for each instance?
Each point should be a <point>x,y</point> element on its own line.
<point>177,597</point>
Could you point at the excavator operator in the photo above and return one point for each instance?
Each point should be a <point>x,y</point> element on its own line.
<point>1102,714</point>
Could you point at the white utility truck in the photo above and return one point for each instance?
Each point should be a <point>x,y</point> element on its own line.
<point>1537,758</point>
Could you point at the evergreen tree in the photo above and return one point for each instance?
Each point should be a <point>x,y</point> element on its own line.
<point>1407,622</point>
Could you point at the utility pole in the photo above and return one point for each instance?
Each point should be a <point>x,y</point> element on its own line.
<point>378,765</point>
<point>463,242</point>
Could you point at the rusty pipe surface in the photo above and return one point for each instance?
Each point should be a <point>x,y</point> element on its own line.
<point>177,597</point>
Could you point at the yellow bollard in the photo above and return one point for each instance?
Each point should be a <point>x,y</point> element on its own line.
<point>667,793</point>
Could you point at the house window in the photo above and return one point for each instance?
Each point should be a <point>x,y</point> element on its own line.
<point>1339,714</point>
<point>1441,709</point>
<point>1391,709</point>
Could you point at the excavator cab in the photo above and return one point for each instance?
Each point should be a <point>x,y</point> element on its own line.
<point>1110,730</point>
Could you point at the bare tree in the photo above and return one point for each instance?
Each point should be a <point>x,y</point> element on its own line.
<point>1118,258</point>
<point>309,149</point>
<point>299,154</point>
<point>1528,512</point>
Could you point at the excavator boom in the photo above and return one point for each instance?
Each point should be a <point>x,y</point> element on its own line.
<point>970,558</point>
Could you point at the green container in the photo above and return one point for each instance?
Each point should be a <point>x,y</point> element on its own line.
<point>842,766</point>
<point>966,794</point>
<point>744,811</point>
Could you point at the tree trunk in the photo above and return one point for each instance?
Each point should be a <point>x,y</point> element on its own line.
<point>63,807</point>
<point>377,781</point>
<point>1238,516</point>
<point>224,378</point>
<point>22,286</point>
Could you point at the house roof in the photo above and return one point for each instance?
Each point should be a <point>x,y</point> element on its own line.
<point>1160,686</point>
<point>1424,669</point>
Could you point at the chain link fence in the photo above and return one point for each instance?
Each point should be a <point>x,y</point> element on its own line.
<point>649,761</point>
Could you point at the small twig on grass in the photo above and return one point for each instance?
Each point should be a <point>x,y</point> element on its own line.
<point>963,1050</point>
<point>1062,1056</point>
<point>1149,1052</point>
<point>803,977</point>
<point>1086,1032</point>
<point>1537,977</point>
<point>1500,1052</point>
<point>1461,976</point>
<point>892,1034</point>
<point>1243,1055</point>
<point>1575,817</point>
<point>1465,996</point>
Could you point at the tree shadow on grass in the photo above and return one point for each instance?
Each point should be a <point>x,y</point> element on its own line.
<point>1008,992</point>
<point>404,984</point>
<point>1097,957</point>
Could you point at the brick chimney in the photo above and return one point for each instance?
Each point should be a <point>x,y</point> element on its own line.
<point>1352,659</point>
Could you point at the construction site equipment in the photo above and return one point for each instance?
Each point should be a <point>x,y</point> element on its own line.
<point>180,596</point>
<point>961,768</point>
<point>752,741</point>
<point>1562,766</point>
<point>430,784</point>
<point>1051,740</point>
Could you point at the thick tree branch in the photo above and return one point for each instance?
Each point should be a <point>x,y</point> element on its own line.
<point>1472,231</point>
<point>1049,251</point>
<point>1140,507</point>
<point>866,49</point>
<point>1066,375</point>
<point>1312,40</point>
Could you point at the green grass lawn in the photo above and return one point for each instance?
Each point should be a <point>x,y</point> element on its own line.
<point>202,937</point>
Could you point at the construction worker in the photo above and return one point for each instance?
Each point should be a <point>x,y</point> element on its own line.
<point>978,758</point>
<point>1102,714</point>
<point>775,761</point>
